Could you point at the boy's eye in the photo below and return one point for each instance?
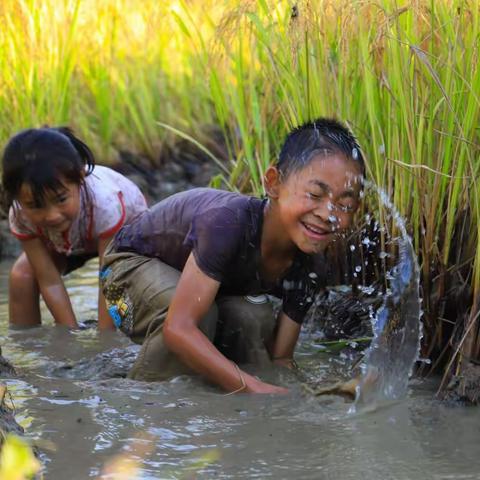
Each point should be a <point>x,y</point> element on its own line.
<point>346,208</point>
<point>315,196</point>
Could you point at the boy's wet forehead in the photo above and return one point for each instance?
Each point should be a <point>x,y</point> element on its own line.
<point>337,174</point>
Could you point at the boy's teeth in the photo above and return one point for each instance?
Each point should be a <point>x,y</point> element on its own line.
<point>313,229</point>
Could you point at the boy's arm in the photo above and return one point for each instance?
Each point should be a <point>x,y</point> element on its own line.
<point>50,282</point>
<point>105,322</point>
<point>285,340</point>
<point>194,295</point>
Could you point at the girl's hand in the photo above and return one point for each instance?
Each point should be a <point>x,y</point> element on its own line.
<point>50,282</point>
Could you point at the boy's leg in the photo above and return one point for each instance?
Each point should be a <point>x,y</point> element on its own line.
<point>138,291</point>
<point>245,326</point>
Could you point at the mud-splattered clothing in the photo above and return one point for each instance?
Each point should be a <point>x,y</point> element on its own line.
<point>139,290</point>
<point>223,230</point>
<point>108,200</point>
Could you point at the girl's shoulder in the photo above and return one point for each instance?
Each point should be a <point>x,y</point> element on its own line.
<point>106,187</point>
<point>112,199</point>
<point>107,179</point>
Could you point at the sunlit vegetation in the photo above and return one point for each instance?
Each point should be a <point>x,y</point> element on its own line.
<point>403,74</point>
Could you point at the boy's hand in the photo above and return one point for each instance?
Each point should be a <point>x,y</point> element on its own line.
<point>254,385</point>
<point>349,388</point>
<point>285,362</point>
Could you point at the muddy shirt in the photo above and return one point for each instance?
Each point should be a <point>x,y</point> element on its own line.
<point>223,231</point>
<point>108,200</point>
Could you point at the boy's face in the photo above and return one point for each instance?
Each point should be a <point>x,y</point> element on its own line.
<point>317,202</point>
<point>59,209</point>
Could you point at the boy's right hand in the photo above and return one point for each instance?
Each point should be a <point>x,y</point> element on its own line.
<point>254,385</point>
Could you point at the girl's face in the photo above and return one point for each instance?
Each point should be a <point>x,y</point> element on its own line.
<point>317,202</point>
<point>59,210</point>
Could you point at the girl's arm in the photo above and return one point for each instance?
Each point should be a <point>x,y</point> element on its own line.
<point>194,295</point>
<point>50,282</point>
<point>105,322</point>
<point>285,341</point>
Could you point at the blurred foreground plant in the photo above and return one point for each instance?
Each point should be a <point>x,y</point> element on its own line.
<point>17,460</point>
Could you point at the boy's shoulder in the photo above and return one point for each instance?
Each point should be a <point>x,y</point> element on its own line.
<point>210,200</point>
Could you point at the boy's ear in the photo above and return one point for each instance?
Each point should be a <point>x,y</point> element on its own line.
<point>272,181</point>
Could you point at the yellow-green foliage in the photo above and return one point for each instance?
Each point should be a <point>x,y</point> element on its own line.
<point>17,461</point>
<point>111,69</point>
<point>404,74</point>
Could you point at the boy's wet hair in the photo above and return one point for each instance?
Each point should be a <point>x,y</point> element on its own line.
<point>323,136</point>
<point>44,158</point>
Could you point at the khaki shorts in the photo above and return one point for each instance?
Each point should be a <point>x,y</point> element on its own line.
<point>138,291</point>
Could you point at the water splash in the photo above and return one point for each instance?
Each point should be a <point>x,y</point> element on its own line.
<point>397,329</point>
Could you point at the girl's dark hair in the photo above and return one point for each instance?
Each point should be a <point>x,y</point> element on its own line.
<point>42,158</point>
<point>323,136</point>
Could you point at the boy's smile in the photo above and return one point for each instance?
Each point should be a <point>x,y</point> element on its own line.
<point>316,202</point>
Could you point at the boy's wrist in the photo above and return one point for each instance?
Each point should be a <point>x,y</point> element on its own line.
<point>287,362</point>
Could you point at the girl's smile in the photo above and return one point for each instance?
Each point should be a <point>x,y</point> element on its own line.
<point>58,209</point>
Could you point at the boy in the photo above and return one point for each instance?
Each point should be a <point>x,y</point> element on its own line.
<point>179,278</point>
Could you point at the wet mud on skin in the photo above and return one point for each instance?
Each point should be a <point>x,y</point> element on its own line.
<point>70,391</point>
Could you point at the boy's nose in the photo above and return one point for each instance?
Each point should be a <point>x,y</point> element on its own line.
<point>324,211</point>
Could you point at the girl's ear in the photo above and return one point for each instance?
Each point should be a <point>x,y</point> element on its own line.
<point>272,180</point>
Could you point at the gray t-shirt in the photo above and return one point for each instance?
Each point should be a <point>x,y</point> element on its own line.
<point>223,230</point>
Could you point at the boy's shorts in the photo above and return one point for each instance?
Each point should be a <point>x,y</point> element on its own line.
<point>138,291</point>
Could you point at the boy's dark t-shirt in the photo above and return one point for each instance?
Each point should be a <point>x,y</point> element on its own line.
<point>223,230</point>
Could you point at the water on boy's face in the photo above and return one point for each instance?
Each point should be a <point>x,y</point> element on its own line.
<point>317,202</point>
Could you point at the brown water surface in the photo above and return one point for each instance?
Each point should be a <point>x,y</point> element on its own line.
<point>72,395</point>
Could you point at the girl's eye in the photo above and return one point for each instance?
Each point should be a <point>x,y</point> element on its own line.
<point>62,199</point>
<point>314,196</point>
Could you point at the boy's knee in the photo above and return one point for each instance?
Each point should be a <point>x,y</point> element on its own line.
<point>251,316</point>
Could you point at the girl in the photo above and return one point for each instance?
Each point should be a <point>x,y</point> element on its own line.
<point>180,278</point>
<point>64,210</point>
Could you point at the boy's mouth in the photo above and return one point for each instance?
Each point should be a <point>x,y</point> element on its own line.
<point>316,232</point>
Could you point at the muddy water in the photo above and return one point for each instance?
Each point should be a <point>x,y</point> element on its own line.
<point>70,395</point>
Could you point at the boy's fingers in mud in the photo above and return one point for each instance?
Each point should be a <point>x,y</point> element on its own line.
<point>350,387</point>
<point>257,386</point>
<point>271,389</point>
